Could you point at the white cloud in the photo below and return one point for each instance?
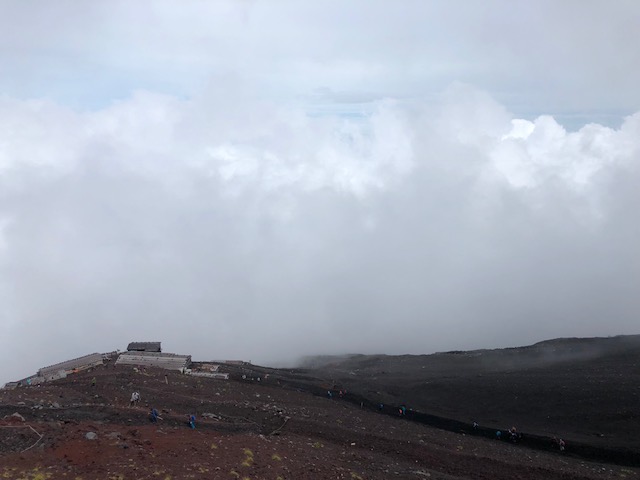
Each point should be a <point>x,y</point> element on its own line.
<point>533,151</point>
<point>263,233</point>
<point>239,178</point>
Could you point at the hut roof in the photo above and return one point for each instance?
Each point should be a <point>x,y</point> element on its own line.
<point>144,347</point>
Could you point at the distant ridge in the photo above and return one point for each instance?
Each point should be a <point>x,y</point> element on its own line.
<point>570,344</point>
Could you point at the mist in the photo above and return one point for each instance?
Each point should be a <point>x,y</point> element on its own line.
<point>237,216</point>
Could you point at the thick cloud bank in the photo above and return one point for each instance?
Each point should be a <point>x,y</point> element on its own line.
<point>228,227</point>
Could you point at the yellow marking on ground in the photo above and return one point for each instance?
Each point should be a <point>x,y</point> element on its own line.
<point>34,474</point>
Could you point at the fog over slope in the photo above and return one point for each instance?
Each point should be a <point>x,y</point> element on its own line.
<point>245,195</point>
<point>270,234</point>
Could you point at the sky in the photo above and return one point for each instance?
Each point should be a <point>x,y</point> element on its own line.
<point>264,180</point>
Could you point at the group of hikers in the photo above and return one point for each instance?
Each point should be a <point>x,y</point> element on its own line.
<point>514,436</point>
<point>402,409</point>
<point>154,416</point>
<point>511,434</point>
<point>341,393</point>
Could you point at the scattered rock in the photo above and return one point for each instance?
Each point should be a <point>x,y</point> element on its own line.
<point>91,435</point>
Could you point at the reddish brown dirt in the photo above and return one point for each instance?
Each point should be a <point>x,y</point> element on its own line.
<point>261,430</point>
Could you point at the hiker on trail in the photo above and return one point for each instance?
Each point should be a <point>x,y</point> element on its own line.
<point>381,407</point>
<point>498,434</point>
<point>402,411</point>
<point>513,435</point>
<point>192,421</point>
<point>153,416</point>
<point>329,394</point>
<point>559,443</point>
<point>93,382</point>
<point>135,398</point>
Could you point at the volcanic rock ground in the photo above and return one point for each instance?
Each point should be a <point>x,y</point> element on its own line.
<point>285,427</point>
